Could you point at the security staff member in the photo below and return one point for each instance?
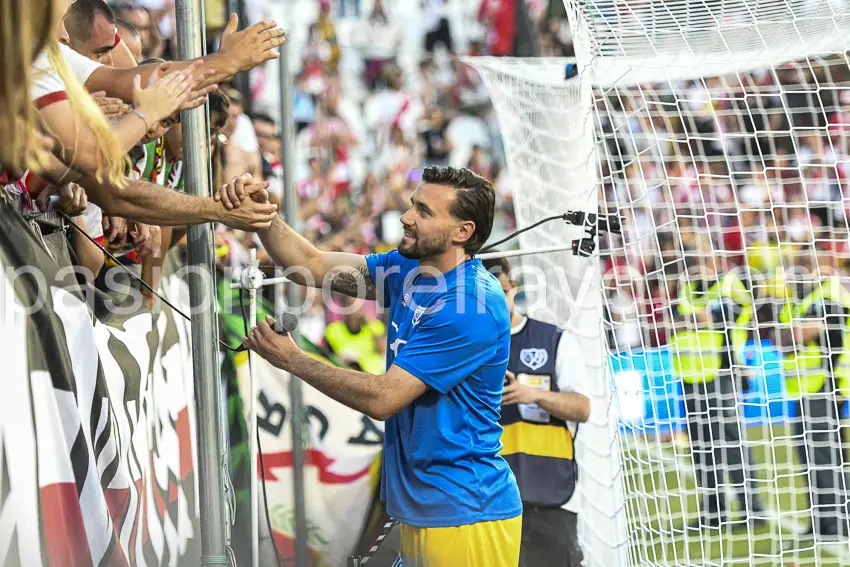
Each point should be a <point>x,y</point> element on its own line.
<point>545,374</point>
<point>717,313</point>
<point>358,341</point>
<point>817,375</point>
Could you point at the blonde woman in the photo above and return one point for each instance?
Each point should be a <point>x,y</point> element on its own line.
<point>26,29</point>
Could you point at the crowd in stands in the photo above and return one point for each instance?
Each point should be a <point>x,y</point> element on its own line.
<point>372,107</point>
<point>747,169</point>
<point>745,172</point>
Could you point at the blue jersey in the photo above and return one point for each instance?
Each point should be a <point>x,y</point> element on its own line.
<point>441,462</point>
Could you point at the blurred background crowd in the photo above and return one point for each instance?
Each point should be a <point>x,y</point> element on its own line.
<point>745,173</point>
<point>743,170</point>
<point>379,92</point>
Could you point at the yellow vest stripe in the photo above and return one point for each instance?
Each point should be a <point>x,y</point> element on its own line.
<point>537,439</point>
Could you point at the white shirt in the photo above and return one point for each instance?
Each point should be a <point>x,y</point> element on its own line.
<point>244,134</point>
<point>570,368</point>
<point>47,87</point>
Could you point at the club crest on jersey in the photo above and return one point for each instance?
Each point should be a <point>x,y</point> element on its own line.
<point>534,358</point>
<point>406,299</point>
<point>417,315</point>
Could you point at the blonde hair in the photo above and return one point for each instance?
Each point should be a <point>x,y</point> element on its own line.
<point>26,26</point>
<point>111,161</point>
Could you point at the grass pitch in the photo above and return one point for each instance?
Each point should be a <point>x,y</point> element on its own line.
<point>662,501</point>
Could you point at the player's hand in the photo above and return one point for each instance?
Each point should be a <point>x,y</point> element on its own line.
<point>72,199</point>
<point>279,350</point>
<point>252,46</point>
<point>233,194</point>
<point>250,215</point>
<point>516,393</point>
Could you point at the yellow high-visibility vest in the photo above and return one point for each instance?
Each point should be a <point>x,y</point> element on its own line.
<point>698,355</point>
<point>806,370</point>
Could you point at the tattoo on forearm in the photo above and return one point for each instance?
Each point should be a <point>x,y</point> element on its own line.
<point>353,281</point>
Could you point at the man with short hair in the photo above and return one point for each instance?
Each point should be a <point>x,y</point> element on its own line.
<point>443,478</point>
<point>542,402</point>
<point>128,33</point>
<point>268,137</point>
<point>91,30</point>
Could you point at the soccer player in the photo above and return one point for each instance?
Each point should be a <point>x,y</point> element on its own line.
<point>449,339</point>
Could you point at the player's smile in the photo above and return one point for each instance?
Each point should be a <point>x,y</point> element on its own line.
<point>409,234</point>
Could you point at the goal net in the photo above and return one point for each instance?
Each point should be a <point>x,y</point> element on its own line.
<point>719,131</point>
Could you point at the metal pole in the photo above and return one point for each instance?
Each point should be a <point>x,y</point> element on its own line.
<point>252,413</point>
<point>266,281</point>
<point>211,458</point>
<point>290,206</point>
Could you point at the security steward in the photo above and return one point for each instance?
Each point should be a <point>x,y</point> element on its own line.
<point>817,377</point>
<point>541,404</point>
<point>717,314</point>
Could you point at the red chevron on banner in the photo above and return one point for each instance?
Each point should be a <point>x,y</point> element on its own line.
<point>312,457</point>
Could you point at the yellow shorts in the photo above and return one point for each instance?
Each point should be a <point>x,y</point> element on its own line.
<point>485,544</point>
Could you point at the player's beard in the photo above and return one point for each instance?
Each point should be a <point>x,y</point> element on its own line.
<point>424,246</point>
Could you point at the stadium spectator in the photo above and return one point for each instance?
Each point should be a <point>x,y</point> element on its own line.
<point>358,340</point>
<point>130,36</point>
<point>436,24</point>
<point>323,38</point>
<point>140,18</point>
<point>437,142</point>
<point>241,150</point>
<point>30,27</point>
<point>379,40</point>
<point>92,30</point>
<point>542,406</point>
<point>268,139</point>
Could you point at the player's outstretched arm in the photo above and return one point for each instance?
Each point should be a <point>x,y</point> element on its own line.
<point>379,397</point>
<point>307,265</point>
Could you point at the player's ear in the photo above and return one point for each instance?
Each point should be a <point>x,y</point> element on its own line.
<point>464,231</point>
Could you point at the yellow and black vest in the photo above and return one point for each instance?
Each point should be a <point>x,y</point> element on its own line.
<point>699,355</point>
<point>538,447</point>
<point>806,369</point>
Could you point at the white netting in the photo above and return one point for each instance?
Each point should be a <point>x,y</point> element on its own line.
<point>730,170</point>
<point>549,142</point>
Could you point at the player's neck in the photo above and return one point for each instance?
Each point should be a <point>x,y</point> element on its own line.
<point>447,261</point>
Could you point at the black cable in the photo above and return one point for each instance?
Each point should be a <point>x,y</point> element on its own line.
<point>520,231</point>
<point>280,561</point>
<point>222,343</point>
<point>143,282</point>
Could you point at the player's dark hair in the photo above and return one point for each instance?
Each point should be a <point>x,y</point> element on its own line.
<point>497,266</point>
<point>79,20</point>
<point>475,200</point>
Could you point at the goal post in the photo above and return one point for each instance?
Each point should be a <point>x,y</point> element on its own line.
<point>719,131</point>
<point>551,152</point>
